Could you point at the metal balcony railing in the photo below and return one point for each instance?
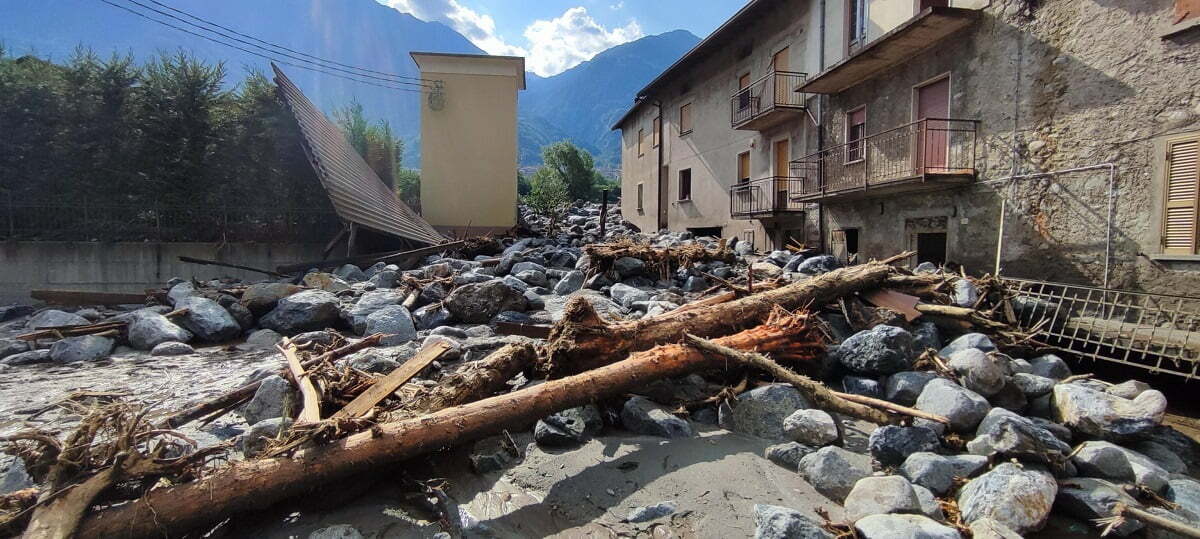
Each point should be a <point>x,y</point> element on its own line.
<point>775,90</point>
<point>776,194</point>
<point>915,151</point>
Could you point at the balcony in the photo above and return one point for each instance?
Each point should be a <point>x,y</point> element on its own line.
<point>924,155</point>
<point>766,197</point>
<point>768,101</point>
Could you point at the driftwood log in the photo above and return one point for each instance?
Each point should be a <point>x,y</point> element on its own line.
<point>256,485</point>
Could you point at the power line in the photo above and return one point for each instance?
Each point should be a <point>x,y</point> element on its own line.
<point>281,47</point>
<point>284,54</point>
<point>260,55</point>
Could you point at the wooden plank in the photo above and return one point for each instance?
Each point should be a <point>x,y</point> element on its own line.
<point>534,331</point>
<point>896,301</point>
<point>367,400</point>
<point>311,413</point>
<point>85,297</point>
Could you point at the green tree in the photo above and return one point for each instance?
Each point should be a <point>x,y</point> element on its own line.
<point>523,186</point>
<point>375,142</point>
<point>548,195</point>
<point>575,167</point>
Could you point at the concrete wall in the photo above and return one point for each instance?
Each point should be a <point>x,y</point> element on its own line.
<point>469,142</point>
<point>130,267</point>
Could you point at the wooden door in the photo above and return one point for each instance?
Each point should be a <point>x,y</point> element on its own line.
<point>779,63</point>
<point>780,152</point>
<point>933,106</point>
<point>1183,189</point>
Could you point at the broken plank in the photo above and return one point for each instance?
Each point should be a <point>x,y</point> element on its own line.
<point>390,383</point>
<point>85,297</point>
<point>533,331</point>
<point>311,413</point>
<point>896,301</point>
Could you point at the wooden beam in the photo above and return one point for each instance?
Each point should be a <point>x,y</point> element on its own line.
<point>311,413</point>
<point>390,383</point>
<point>85,297</point>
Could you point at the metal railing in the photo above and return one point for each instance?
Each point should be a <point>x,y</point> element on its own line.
<point>1157,332</point>
<point>776,89</point>
<point>912,151</point>
<point>55,221</point>
<point>776,194</point>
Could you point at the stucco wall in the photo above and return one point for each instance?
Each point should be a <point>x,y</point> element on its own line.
<point>131,267</point>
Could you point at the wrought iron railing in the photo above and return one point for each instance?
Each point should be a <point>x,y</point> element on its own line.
<point>776,194</point>
<point>775,90</point>
<point>912,151</point>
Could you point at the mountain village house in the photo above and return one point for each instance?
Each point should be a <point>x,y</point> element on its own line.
<point>1055,139</point>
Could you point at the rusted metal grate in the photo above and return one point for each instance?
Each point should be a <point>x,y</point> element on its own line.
<point>1157,332</point>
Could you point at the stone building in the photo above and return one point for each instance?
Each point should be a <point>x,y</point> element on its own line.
<point>1038,136</point>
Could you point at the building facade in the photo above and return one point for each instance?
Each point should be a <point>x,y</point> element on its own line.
<point>1055,140</point>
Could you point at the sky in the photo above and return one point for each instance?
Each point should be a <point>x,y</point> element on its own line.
<point>556,35</point>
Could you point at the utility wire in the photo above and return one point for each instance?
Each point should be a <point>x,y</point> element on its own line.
<point>281,47</point>
<point>260,55</point>
<point>249,44</point>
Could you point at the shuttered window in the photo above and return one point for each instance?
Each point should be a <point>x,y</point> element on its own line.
<point>657,128</point>
<point>1183,186</point>
<point>641,142</point>
<point>685,119</point>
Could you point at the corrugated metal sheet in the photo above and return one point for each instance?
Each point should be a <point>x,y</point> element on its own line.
<point>358,195</point>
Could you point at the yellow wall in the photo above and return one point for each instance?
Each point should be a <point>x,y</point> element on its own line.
<point>469,152</point>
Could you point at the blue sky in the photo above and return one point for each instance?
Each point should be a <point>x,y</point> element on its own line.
<point>555,35</point>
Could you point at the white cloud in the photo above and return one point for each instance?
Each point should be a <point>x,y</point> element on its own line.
<point>552,46</point>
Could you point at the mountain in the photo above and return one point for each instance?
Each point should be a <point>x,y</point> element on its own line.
<point>579,104</point>
<point>586,100</point>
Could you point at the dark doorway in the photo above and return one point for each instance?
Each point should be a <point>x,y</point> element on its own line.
<point>851,241</point>
<point>709,231</point>
<point>931,247</point>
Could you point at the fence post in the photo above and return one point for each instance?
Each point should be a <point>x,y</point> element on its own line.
<point>604,211</point>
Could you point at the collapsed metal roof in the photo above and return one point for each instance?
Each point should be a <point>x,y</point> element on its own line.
<point>358,195</point>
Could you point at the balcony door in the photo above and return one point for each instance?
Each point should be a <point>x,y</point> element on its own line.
<point>781,153</point>
<point>932,106</point>
<point>779,63</point>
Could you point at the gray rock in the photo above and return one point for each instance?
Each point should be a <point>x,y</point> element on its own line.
<point>787,454</point>
<point>643,416</point>
<point>350,273</point>
<point>818,265</point>
<point>881,495</point>
<point>904,387</point>
<point>903,527</point>
<point>367,305</point>
<point>859,385</point>
<point>986,528</point>
<point>263,338</point>
<point>833,471</point>
<point>1009,435</point>
<point>925,337</point>
<point>1110,461</point>
<point>1161,455</point>
<point>569,427</point>
<point>890,445</point>
<point>479,303</point>
<point>16,478</point>
<point>54,318</point>
<point>493,454</point>
<point>1128,389</point>
<point>774,522</point>
<point>1033,385</point>
<point>1019,366</point>
<point>84,348</point>
<point>1015,496</point>
<point>31,357</point>
<point>695,283</point>
<point>522,267</point>
<point>937,473</point>
<point>926,267</point>
<point>326,282</point>
<point>310,310</point>
<point>12,312</point>
<point>1186,493</point>
<point>977,372</point>
<point>172,348</point>
<point>207,320</point>
<point>570,282</point>
<point>652,512</point>
<point>1090,499</point>
<point>372,361</point>
<point>12,347</point>
<point>963,407</point>
<point>261,298</point>
<point>627,295</point>
<point>929,503</point>
<point>532,278</point>
<point>810,427</point>
<point>1094,413</point>
<point>261,433</point>
<point>1050,366</point>
<point>1185,447</point>
<point>629,267</point>
<point>761,411</point>
<point>181,291</point>
<point>338,531</point>
<point>323,338</point>
<point>148,329</point>
<point>965,293</point>
<point>394,321</point>
<point>272,399</point>
<point>881,350</point>
<point>242,315</point>
<point>431,317</point>
<point>970,340</point>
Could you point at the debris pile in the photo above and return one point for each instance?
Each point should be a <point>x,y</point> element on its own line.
<point>968,428</point>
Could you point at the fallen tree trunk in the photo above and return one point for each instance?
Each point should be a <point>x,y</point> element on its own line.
<point>256,485</point>
<point>582,341</point>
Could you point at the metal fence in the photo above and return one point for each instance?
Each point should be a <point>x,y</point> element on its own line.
<point>765,196</point>
<point>116,222</point>
<point>777,89</point>
<point>1157,332</point>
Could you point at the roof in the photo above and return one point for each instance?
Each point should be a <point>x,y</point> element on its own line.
<point>358,195</point>
<point>708,44</point>
<point>471,64</point>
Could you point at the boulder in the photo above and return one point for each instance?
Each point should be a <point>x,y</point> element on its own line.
<point>31,357</point>
<point>388,278</point>
<point>925,337</point>
<point>904,387</point>
<point>1185,492</point>
<point>181,291</point>
<point>395,321</point>
<point>761,411</point>
<point>270,400</point>
<point>965,293</point>
<point>880,350</point>
<point>774,522</point>
<point>261,298</point>
<point>930,506</point>
<point>84,348</point>
<point>833,471</point>
<point>881,495</point>
<point>937,472</point>
<point>643,416</point>
<point>570,282</point>
<point>1015,496</point>
<point>480,302</point>
<point>569,427</point>
<point>326,282</point>
<point>367,305</point>
<point>860,385</point>
<point>172,348</point>
<point>148,329</point>
<point>1094,413</point>
<point>977,372</point>
<point>242,315</point>
<point>986,528</point>
<point>811,427</point>
<point>1090,499</point>
<point>627,295</point>
<point>261,433</point>
<point>1033,385</point>
<point>207,320</point>
<point>695,283</point>
<point>903,527</point>
<point>1050,366</point>
<point>54,318</point>
<point>12,347</point>
<point>310,310</point>
<point>787,454</point>
<point>1128,389</point>
<point>16,478</point>
<point>431,317</point>
<point>765,270</point>
<point>1106,460</point>
<point>652,512</point>
<point>493,454</point>
<point>818,265</point>
<point>971,340</point>
<point>1161,455</point>
<point>11,312</point>
<point>963,407</point>
<point>522,267</point>
<point>890,445</point>
<point>263,338</point>
<point>628,266</point>
<point>532,278</point>
<point>1009,435</point>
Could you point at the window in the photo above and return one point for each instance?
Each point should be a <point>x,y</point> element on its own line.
<point>685,119</point>
<point>641,142</point>
<point>744,91</point>
<point>1182,188</point>
<point>856,131</point>
<point>654,135</point>
<point>856,31</point>
<point>640,188</point>
<point>743,167</point>
<point>685,184</point>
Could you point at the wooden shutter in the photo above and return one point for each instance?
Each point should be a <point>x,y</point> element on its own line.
<point>641,142</point>
<point>685,119</point>
<point>1179,216</point>
<point>656,128</point>
<point>743,165</point>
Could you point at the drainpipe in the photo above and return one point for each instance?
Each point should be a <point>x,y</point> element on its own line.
<point>820,131</point>
<point>662,141</point>
<point>1112,194</point>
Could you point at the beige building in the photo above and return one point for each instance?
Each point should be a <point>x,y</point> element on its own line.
<point>867,127</point>
<point>469,141</point>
